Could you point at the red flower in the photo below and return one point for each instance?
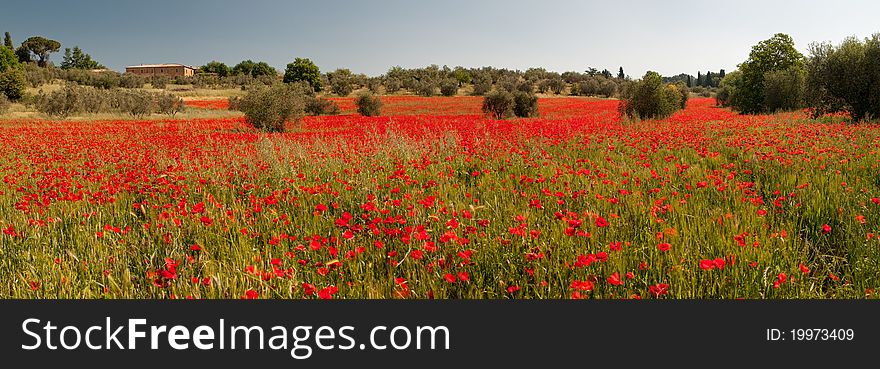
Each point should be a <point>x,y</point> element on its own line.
<point>826,229</point>
<point>449,277</point>
<point>707,264</point>
<point>804,269</point>
<point>762,212</point>
<point>614,279</point>
<point>659,289</point>
<point>512,289</point>
<point>719,263</point>
<point>663,246</point>
<point>601,222</point>
<point>250,295</point>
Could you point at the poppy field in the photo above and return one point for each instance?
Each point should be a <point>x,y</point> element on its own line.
<point>435,200</point>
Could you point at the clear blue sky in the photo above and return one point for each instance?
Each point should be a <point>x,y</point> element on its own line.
<point>670,37</point>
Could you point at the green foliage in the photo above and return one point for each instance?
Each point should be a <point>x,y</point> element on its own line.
<point>221,69</point>
<point>845,78</point>
<point>253,69</point>
<point>482,86</point>
<point>63,102</point>
<point>685,92</point>
<point>525,104</point>
<point>499,104</point>
<point>8,59</point>
<point>775,54</point>
<point>76,59</point>
<point>269,108</point>
<point>7,41</point>
<point>169,104</point>
<point>448,87</point>
<point>784,90</point>
<point>651,98</point>
<point>727,89</point>
<point>302,69</point>
<point>321,106</point>
<point>40,47</point>
<point>37,76</point>
<point>463,76</point>
<point>12,83</point>
<point>341,82</point>
<point>368,105</point>
<point>392,85</point>
<point>4,104</point>
<point>426,88</point>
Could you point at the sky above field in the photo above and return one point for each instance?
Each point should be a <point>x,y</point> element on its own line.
<point>369,37</point>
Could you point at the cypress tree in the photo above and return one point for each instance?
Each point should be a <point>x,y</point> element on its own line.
<point>7,41</point>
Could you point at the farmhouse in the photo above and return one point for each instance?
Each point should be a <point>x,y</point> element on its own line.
<point>173,70</point>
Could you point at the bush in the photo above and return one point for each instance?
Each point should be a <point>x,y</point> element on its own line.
<point>159,82</point>
<point>650,98</point>
<point>392,85</point>
<point>138,104</point>
<point>685,93</point>
<point>12,83</point>
<point>368,105</point>
<point>373,84</point>
<point>589,87</point>
<point>845,78</point>
<point>129,80</point>
<point>499,104</point>
<point>775,54</point>
<point>608,88</point>
<point>321,106</point>
<point>234,102</point>
<point>482,87</point>
<point>449,87</point>
<point>64,102</point>
<point>4,104</point>
<point>269,108</point>
<point>784,90</point>
<point>425,88</point>
<point>525,104</point>
<point>37,76</point>
<point>341,82</point>
<point>169,104</point>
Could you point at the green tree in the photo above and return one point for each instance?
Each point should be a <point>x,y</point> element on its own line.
<point>270,108</point>
<point>77,59</point>
<point>7,41</point>
<point>303,69</point>
<point>341,82</point>
<point>651,98</point>
<point>620,73</point>
<point>8,59</point>
<point>845,77</point>
<point>221,69</point>
<point>40,47</point>
<point>12,83</point>
<point>253,69</point>
<point>774,54</point>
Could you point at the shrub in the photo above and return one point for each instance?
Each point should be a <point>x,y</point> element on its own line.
<point>482,87</point>
<point>425,88</point>
<point>341,82</point>
<point>368,105</point>
<point>4,104</point>
<point>775,54</point>
<point>448,87</point>
<point>135,103</point>
<point>269,108</point>
<point>499,104</point>
<point>321,106</point>
<point>525,104</point>
<point>650,98</point>
<point>589,87</point>
<point>169,104</point>
<point>304,70</point>
<point>684,91</point>
<point>373,84</point>
<point>784,90</point>
<point>129,80</point>
<point>608,88</point>
<point>36,76</point>
<point>159,81</point>
<point>727,88</point>
<point>62,102</point>
<point>845,78</point>
<point>12,83</point>
<point>392,85</point>
<point>234,102</point>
